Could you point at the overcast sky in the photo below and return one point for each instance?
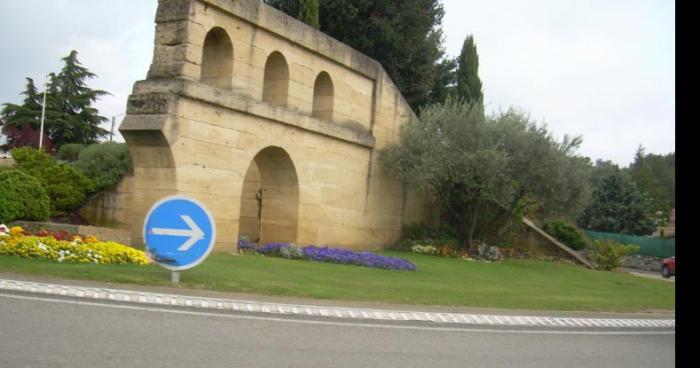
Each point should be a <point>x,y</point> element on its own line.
<point>601,69</point>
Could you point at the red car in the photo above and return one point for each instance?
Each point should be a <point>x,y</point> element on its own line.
<point>668,268</point>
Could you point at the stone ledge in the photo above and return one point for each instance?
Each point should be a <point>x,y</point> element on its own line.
<point>233,100</point>
<point>277,22</point>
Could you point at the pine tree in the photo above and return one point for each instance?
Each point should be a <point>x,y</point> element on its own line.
<point>308,12</point>
<point>403,36</point>
<point>76,121</point>
<point>69,116</point>
<point>21,123</point>
<point>28,113</point>
<point>444,78</point>
<point>655,176</point>
<point>468,82</point>
<point>619,206</point>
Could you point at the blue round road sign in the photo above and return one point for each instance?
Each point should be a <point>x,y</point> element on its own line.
<point>179,232</point>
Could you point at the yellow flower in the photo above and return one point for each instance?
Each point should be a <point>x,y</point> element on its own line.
<point>16,230</point>
<point>89,251</point>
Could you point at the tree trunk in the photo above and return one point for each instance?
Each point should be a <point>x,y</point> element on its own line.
<point>472,227</point>
<point>503,229</point>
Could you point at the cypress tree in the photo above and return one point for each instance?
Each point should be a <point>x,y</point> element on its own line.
<point>308,12</point>
<point>468,82</point>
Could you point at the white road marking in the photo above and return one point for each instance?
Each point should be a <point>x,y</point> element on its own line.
<point>330,323</point>
<point>339,312</point>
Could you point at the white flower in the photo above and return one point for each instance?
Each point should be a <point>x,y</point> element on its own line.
<point>4,229</point>
<point>43,247</point>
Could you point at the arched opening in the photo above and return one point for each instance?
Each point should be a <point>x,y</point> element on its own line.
<point>270,198</point>
<point>276,83</point>
<point>323,97</point>
<point>217,59</point>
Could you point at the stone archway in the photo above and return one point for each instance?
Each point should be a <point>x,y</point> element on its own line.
<point>270,198</point>
<point>323,97</point>
<point>217,59</point>
<point>276,83</point>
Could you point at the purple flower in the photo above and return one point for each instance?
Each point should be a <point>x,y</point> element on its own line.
<point>272,248</point>
<point>338,255</point>
<point>346,256</point>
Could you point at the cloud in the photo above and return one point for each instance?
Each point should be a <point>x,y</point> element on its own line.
<point>118,63</point>
<point>601,69</point>
<point>113,40</point>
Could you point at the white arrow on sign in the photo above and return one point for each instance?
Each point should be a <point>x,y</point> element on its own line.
<point>195,233</point>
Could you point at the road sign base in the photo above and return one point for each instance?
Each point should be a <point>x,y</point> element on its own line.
<point>175,277</point>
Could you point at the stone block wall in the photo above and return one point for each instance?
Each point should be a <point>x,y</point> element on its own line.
<point>199,123</point>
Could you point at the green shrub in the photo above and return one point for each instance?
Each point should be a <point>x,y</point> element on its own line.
<point>422,231</point>
<point>566,233</point>
<point>418,231</point>
<point>22,197</point>
<point>31,161</point>
<point>426,235</point>
<point>104,163</point>
<point>608,254</point>
<point>66,186</point>
<point>70,152</point>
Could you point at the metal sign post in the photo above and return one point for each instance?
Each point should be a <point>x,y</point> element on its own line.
<point>43,113</point>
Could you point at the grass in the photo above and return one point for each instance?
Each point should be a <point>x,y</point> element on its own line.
<point>515,284</point>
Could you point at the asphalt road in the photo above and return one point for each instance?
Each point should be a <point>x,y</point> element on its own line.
<point>47,332</point>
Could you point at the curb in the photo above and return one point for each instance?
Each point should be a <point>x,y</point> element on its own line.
<point>138,297</point>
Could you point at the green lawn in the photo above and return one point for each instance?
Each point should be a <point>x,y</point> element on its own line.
<point>438,281</point>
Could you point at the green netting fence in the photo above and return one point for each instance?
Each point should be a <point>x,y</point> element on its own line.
<point>653,247</point>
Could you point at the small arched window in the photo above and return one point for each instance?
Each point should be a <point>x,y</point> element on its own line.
<point>323,97</point>
<point>217,59</point>
<point>276,83</point>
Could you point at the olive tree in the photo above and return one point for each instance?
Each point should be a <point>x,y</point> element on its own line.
<point>543,173</point>
<point>473,164</point>
<point>452,152</point>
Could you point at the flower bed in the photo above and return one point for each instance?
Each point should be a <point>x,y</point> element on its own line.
<point>346,256</point>
<point>425,249</point>
<point>336,255</point>
<point>442,251</point>
<point>64,247</point>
